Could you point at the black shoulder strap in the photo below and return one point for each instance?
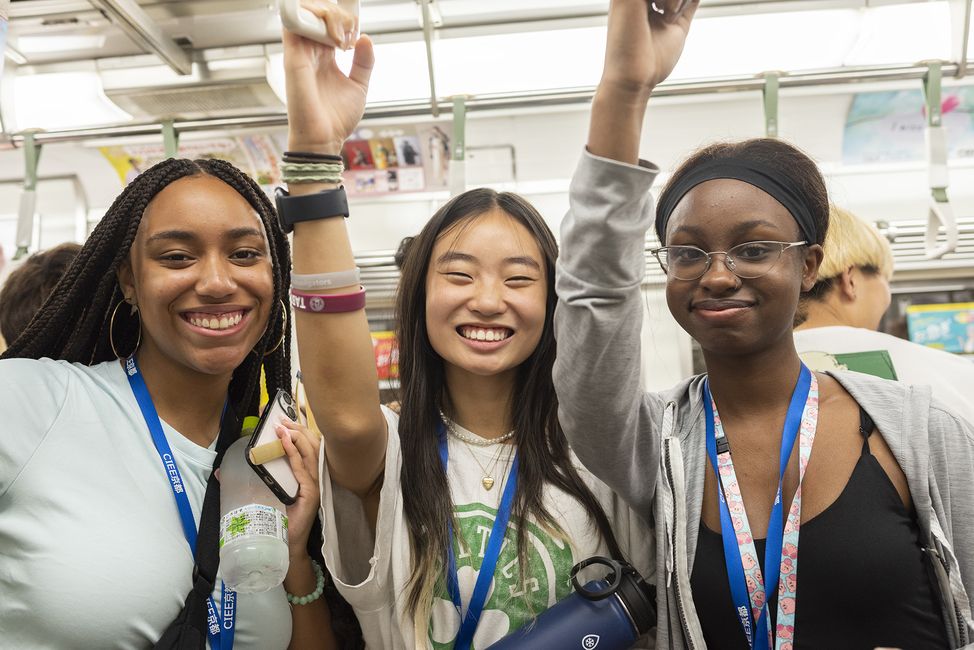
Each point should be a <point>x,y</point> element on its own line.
<point>866,426</point>
<point>188,629</point>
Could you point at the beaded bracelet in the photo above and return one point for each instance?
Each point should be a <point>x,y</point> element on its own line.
<point>314,595</point>
<point>334,280</point>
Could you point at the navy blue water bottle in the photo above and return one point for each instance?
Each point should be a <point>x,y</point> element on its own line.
<point>607,614</point>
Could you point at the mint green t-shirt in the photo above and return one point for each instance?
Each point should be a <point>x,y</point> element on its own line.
<point>92,552</point>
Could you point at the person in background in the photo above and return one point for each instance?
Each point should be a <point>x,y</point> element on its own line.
<point>161,324</point>
<point>843,310</point>
<point>4,272</point>
<point>29,285</point>
<point>477,442</point>
<point>792,509</point>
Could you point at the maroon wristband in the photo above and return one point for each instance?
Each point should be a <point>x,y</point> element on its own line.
<point>333,303</point>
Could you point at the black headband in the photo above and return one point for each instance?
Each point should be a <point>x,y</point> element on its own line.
<point>765,178</point>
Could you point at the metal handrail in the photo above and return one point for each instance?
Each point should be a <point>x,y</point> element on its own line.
<point>835,76</point>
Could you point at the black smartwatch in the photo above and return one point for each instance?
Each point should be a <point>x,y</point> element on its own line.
<point>310,207</point>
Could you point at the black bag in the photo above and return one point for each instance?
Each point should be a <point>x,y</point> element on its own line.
<point>188,629</point>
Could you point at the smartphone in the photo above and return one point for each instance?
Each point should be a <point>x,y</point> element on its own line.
<point>275,473</point>
<point>301,21</point>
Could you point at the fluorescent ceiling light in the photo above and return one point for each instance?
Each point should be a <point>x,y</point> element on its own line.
<point>39,102</point>
<point>750,44</point>
<point>400,72</point>
<point>905,33</point>
<point>518,62</point>
<point>15,56</point>
<point>721,46</point>
<point>65,43</point>
<point>470,8</point>
<point>374,17</point>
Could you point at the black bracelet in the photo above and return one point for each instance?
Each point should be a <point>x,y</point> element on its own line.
<point>298,156</point>
<point>309,207</point>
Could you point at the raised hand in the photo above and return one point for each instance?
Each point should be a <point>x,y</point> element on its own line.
<point>641,50</point>
<point>643,45</point>
<point>323,104</point>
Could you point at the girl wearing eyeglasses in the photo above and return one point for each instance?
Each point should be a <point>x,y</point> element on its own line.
<point>792,509</point>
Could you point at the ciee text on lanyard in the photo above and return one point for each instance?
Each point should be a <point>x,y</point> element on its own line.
<point>749,589</point>
<point>219,628</point>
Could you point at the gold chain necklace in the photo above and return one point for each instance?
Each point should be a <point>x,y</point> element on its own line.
<point>488,477</point>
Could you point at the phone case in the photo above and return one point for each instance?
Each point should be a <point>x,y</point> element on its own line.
<point>301,21</point>
<point>276,473</point>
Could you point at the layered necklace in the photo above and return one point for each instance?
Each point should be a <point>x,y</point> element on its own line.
<point>487,479</point>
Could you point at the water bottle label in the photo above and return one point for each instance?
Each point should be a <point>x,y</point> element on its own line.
<point>253,520</point>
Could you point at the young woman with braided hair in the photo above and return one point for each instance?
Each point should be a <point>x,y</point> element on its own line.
<point>178,290</point>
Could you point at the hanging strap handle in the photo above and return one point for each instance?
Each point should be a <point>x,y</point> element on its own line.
<point>940,212</point>
<point>28,198</point>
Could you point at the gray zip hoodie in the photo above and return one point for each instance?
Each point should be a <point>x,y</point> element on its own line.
<point>650,447</point>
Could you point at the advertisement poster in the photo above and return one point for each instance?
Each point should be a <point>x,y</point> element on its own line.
<point>390,160</point>
<point>386,355</point>
<point>888,126</point>
<point>256,155</point>
<point>948,327</point>
<point>4,9</point>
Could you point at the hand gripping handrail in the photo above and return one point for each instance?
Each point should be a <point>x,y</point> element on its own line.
<point>301,21</point>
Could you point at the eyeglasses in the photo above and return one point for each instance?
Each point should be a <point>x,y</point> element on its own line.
<point>747,261</point>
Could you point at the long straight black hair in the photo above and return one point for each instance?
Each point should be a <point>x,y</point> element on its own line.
<point>541,444</point>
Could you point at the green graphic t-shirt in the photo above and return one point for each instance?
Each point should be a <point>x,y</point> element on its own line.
<point>376,586</point>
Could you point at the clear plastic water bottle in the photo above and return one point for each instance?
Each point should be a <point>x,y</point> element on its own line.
<point>253,526</point>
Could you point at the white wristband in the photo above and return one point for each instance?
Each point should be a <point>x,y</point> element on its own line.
<point>336,280</point>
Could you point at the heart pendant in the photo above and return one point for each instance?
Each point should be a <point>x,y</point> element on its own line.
<point>488,482</point>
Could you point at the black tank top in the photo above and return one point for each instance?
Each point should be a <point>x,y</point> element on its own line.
<point>862,577</point>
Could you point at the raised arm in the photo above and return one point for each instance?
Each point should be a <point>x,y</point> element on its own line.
<point>335,349</point>
<point>612,425</point>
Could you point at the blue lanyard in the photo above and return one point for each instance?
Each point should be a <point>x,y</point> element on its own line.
<point>757,638</point>
<point>486,574</point>
<point>220,629</point>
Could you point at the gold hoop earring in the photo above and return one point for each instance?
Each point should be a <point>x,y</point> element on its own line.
<point>111,330</point>
<point>280,341</point>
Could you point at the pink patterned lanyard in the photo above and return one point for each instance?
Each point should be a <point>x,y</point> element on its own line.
<point>788,577</point>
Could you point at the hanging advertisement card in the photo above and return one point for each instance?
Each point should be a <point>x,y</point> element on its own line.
<point>948,327</point>
<point>4,13</point>
<point>396,159</point>
<point>889,126</point>
<point>256,155</point>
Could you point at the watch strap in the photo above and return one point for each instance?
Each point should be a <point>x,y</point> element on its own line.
<point>310,207</point>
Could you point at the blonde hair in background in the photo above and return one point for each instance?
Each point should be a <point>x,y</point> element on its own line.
<point>851,241</point>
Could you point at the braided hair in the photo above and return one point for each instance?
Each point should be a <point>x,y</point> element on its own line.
<point>75,323</point>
